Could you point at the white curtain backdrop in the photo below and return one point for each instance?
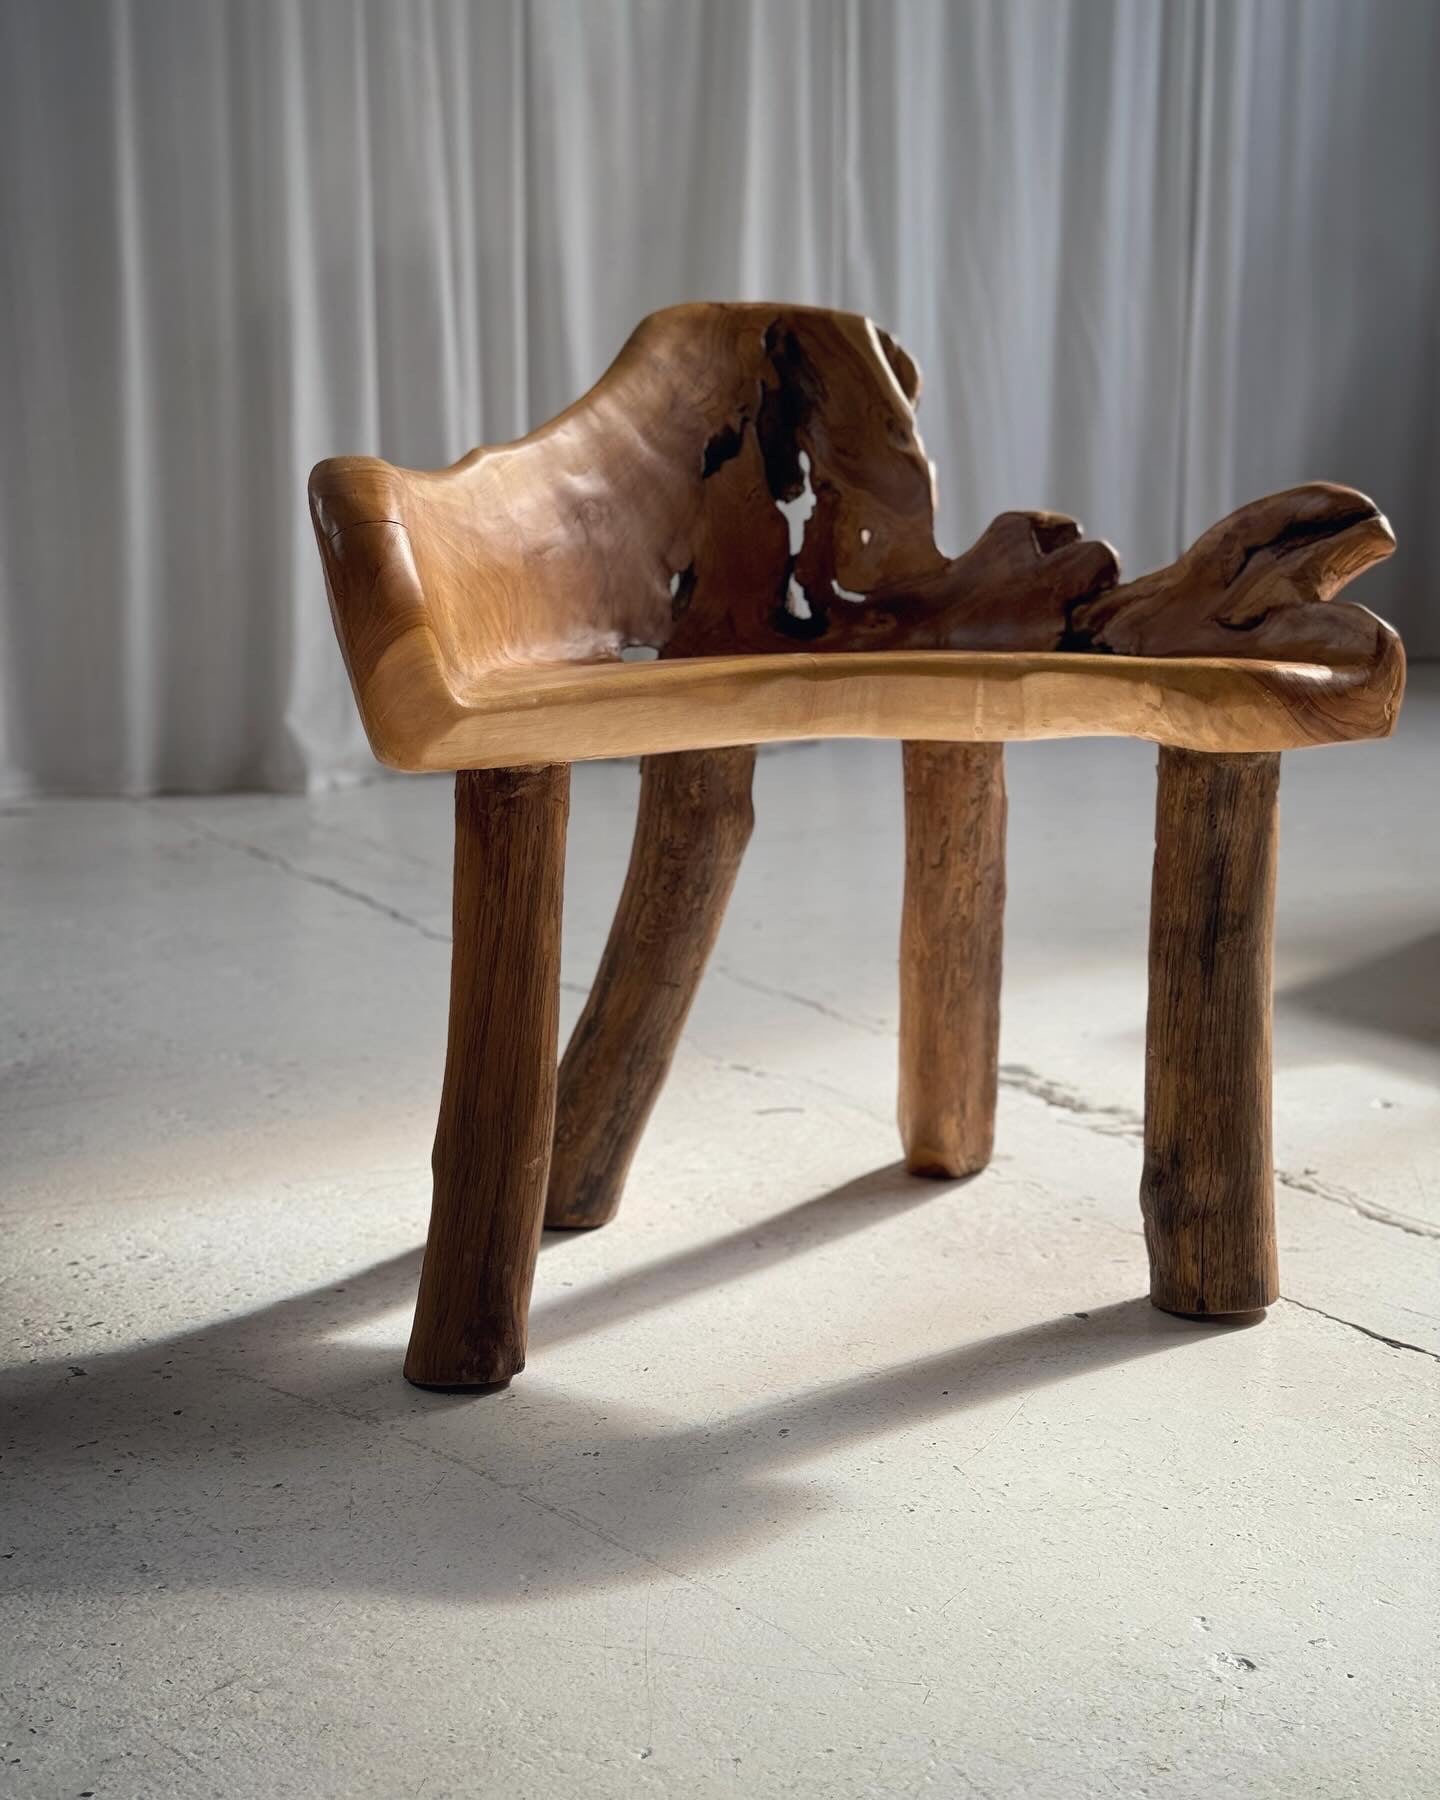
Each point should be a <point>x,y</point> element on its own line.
<point>1154,256</point>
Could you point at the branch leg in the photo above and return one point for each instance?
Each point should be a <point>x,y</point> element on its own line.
<point>950,941</point>
<point>492,1143</point>
<point>693,825</point>
<point>1208,1191</point>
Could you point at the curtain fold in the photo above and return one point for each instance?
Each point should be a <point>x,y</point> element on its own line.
<point>1152,258</point>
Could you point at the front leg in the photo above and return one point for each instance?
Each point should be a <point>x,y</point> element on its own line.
<point>1208,1189</point>
<point>497,1110</point>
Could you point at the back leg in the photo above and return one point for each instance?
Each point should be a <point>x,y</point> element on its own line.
<point>950,938</point>
<point>694,823</point>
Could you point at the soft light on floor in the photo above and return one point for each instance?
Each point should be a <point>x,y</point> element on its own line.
<point>821,1481</point>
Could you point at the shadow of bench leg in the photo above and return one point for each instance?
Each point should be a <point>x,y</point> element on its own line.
<point>1208,1190</point>
<point>693,825</point>
<point>950,939</point>
<point>492,1143</point>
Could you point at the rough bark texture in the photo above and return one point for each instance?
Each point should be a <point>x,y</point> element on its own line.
<point>692,828</point>
<point>497,1110</point>
<point>1207,1192</point>
<point>950,943</point>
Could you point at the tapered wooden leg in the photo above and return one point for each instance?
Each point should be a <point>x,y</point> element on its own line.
<point>950,941</point>
<point>492,1144</point>
<point>1208,1191</point>
<point>693,825</point>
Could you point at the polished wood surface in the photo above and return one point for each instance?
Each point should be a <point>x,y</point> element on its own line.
<point>744,495</point>
<point>1207,1193</point>
<point>691,830</point>
<point>951,929</point>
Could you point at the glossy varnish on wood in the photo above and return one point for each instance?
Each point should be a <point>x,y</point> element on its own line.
<point>743,500</point>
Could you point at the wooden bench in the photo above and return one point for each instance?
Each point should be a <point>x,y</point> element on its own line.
<point>728,541</point>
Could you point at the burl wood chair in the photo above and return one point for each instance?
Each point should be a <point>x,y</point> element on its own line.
<point>728,541</point>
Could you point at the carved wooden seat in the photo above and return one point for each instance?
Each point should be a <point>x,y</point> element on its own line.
<point>729,540</point>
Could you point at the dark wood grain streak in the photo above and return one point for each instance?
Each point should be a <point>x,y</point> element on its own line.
<point>691,830</point>
<point>952,925</point>
<point>497,1108</point>
<point>1208,1191</point>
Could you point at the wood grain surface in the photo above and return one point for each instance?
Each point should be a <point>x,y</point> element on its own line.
<point>730,540</point>
<point>952,924</point>
<point>1208,1190</point>
<point>693,825</point>
<point>745,495</point>
<point>497,1108</point>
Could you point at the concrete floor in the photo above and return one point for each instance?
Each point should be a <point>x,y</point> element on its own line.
<point>821,1481</point>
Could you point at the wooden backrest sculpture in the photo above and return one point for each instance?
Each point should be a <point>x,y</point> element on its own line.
<point>743,497</point>
<point>748,481</point>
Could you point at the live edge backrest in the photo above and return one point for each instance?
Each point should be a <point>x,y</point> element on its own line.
<point>748,479</point>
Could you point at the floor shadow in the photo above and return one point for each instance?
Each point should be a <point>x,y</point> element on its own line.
<point>1396,994</point>
<point>854,1206</point>
<point>270,1451</point>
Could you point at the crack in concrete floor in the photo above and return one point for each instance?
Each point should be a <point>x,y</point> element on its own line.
<point>1364,1330</point>
<point>1335,1195</point>
<point>1228,1460</point>
<point>1106,1119</point>
<point>274,860</point>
